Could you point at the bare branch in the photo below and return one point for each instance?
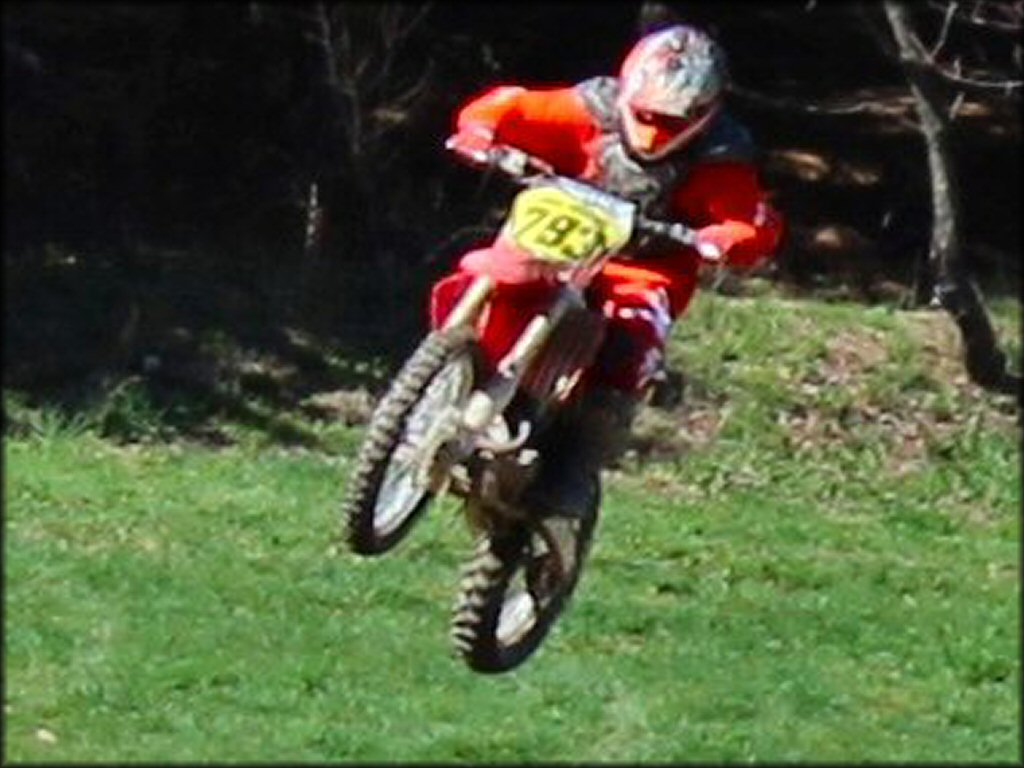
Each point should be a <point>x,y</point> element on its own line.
<point>397,24</point>
<point>985,362</point>
<point>977,19</point>
<point>916,54</point>
<point>415,19</point>
<point>954,108</point>
<point>781,102</point>
<point>866,107</point>
<point>389,41</point>
<point>344,47</point>
<point>912,42</point>
<point>941,40</point>
<point>955,74</point>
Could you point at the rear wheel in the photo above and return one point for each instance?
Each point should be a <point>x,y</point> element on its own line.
<point>518,583</point>
<point>394,477</point>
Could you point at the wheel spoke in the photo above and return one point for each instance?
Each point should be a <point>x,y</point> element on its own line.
<point>403,485</point>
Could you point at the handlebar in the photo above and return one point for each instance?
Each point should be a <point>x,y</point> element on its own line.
<point>678,233</point>
<point>515,163</point>
<point>526,169</point>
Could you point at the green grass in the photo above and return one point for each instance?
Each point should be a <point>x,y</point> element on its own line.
<point>832,574</point>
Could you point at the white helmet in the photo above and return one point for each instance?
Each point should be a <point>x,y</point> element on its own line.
<point>670,86</point>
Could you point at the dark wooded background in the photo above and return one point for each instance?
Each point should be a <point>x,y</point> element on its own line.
<point>159,160</point>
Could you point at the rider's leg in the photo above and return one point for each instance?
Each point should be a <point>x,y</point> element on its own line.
<point>595,431</point>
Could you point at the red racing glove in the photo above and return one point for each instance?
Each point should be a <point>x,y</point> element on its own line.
<point>722,238</point>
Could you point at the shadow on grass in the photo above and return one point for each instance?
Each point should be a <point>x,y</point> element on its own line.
<point>182,352</point>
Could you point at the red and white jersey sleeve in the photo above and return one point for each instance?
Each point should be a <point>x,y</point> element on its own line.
<point>552,124</point>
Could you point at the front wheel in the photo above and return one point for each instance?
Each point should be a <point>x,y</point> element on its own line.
<point>392,483</point>
<point>517,584</point>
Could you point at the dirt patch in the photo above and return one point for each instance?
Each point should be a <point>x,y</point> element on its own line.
<point>851,354</point>
<point>661,434</point>
<point>927,419</point>
<point>940,345</point>
<point>841,401</point>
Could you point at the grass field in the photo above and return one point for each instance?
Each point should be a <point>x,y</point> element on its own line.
<point>815,557</point>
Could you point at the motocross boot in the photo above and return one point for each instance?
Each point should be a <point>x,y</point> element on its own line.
<point>582,440</point>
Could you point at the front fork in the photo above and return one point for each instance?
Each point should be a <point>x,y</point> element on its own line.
<point>478,425</point>
<point>487,403</point>
<point>445,443</point>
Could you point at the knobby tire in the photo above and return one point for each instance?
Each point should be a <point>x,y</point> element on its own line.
<point>485,582</point>
<point>384,434</point>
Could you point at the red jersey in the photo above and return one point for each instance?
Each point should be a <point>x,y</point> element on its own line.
<point>712,180</point>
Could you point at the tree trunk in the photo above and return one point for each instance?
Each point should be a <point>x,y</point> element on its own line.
<point>325,166</point>
<point>986,364</point>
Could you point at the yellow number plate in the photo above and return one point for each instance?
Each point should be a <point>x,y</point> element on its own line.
<point>554,226</point>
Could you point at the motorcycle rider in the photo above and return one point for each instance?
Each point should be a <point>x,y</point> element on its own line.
<point>656,134</point>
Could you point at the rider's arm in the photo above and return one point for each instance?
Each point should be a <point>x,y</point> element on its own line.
<point>727,198</point>
<point>552,124</point>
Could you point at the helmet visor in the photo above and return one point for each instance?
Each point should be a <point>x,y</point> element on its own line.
<point>665,128</point>
<point>654,134</point>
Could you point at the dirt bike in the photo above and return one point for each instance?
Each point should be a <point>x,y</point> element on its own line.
<point>468,410</point>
